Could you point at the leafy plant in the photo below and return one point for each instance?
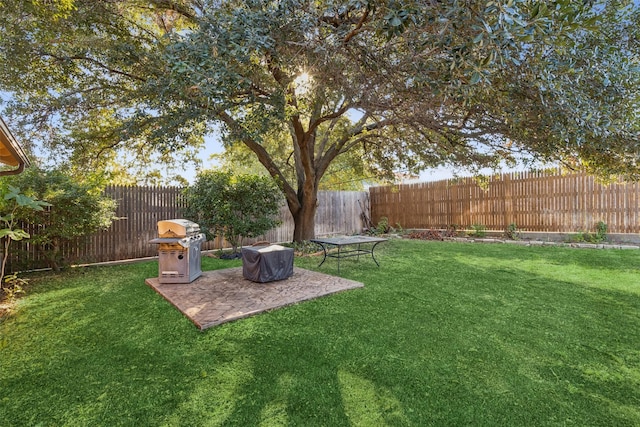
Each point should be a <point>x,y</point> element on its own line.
<point>601,231</point>
<point>12,203</point>
<point>599,236</point>
<point>382,227</point>
<point>13,285</point>
<point>478,230</point>
<point>231,206</point>
<point>576,238</point>
<point>304,248</point>
<point>511,232</point>
<point>75,209</point>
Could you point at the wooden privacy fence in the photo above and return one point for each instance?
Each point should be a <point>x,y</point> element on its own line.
<point>140,208</point>
<point>534,201</point>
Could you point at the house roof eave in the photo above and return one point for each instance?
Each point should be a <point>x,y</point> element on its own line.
<point>11,153</point>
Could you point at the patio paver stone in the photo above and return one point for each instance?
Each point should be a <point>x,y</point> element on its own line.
<point>221,296</point>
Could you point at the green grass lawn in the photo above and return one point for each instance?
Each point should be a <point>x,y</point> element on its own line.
<point>442,334</point>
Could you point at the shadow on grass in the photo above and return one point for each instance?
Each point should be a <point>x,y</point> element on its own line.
<point>454,350</point>
<point>441,334</point>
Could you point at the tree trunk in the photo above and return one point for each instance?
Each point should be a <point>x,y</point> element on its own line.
<point>304,217</point>
<point>52,254</point>
<point>6,241</point>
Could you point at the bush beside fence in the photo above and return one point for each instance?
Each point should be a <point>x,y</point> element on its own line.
<point>140,209</point>
<point>535,202</point>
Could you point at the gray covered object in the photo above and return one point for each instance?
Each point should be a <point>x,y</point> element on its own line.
<point>267,263</point>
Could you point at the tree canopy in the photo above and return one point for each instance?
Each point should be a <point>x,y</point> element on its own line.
<point>411,84</point>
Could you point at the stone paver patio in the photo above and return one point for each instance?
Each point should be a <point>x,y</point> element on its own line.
<point>221,296</point>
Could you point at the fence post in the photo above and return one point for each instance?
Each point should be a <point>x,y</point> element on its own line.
<point>508,202</point>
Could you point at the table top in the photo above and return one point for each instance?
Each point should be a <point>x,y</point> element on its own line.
<point>266,248</point>
<point>348,240</point>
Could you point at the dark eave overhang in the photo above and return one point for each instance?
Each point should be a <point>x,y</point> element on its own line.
<point>11,154</point>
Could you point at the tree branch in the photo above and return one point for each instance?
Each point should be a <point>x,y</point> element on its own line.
<point>175,6</point>
<point>266,160</point>
<point>95,62</point>
<point>336,114</point>
<point>339,147</point>
<point>358,27</point>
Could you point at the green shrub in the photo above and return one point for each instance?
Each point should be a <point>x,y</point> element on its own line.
<point>76,209</point>
<point>585,237</point>
<point>12,203</point>
<point>478,230</point>
<point>511,232</point>
<point>601,231</point>
<point>231,206</point>
<point>382,227</point>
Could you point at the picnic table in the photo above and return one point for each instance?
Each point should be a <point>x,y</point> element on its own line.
<point>363,245</point>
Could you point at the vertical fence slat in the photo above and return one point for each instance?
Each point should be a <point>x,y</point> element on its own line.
<point>533,201</point>
<point>140,208</point>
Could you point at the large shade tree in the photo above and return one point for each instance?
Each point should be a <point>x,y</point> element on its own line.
<point>410,83</point>
<point>348,172</point>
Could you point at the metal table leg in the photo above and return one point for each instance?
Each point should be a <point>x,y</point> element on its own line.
<point>324,250</point>
<point>372,257</point>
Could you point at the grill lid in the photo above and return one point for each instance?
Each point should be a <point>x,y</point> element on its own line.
<point>177,228</point>
<point>185,242</point>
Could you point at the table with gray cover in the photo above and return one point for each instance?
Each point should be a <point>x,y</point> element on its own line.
<point>267,263</point>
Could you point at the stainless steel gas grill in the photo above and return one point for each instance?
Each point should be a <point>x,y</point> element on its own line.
<point>179,243</point>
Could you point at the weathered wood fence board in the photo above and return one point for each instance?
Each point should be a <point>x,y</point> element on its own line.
<point>533,201</point>
<point>140,208</point>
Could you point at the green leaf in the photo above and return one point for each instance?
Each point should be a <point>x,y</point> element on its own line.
<point>14,234</point>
